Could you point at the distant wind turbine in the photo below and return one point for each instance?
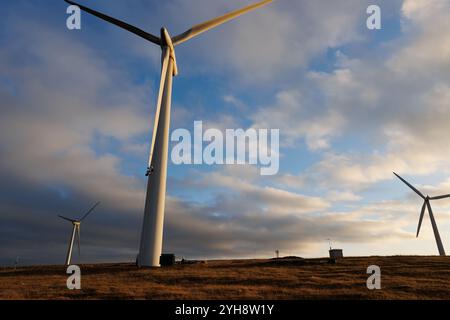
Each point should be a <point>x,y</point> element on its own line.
<point>16,263</point>
<point>427,205</point>
<point>76,232</point>
<point>152,228</point>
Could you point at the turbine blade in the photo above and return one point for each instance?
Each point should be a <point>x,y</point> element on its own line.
<point>78,240</point>
<point>409,185</point>
<point>62,217</point>
<point>121,24</point>
<point>440,197</point>
<point>205,26</point>
<point>436,231</point>
<point>422,213</point>
<point>90,210</point>
<point>165,64</point>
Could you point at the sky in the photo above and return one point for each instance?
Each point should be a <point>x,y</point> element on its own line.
<point>352,105</point>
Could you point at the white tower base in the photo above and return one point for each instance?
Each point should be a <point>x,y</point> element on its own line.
<point>152,227</point>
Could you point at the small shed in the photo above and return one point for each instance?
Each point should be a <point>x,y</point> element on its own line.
<point>167,260</point>
<point>336,254</point>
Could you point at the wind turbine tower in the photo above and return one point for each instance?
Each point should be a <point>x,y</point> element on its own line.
<point>152,227</point>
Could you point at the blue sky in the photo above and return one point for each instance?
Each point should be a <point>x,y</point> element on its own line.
<point>352,105</point>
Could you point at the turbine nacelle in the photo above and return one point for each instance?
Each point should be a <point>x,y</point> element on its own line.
<point>166,39</point>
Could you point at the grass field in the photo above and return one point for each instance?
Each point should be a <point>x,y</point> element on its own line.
<point>402,278</point>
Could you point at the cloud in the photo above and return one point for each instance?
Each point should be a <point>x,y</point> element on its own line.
<point>243,218</point>
<point>293,115</point>
<point>278,39</point>
<point>255,235</point>
<point>50,126</point>
<point>337,196</point>
<point>64,116</point>
<point>398,108</point>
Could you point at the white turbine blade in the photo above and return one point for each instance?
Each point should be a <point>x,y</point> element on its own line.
<point>422,213</point>
<point>62,217</point>
<point>89,211</point>
<point>121,24</point>
<point>162,84</point>
<point>436,231</point>
<point>440,197</point>
<point>205,26</point>
<point>411,186</point>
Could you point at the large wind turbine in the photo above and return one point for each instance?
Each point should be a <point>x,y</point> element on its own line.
<point>427,205</point>
<point>152,228</point>
<point>76,223</point>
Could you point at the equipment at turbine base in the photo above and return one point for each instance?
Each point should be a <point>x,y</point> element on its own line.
<point>152,226</point>
<point>336,254</point>
<point>167,260</point>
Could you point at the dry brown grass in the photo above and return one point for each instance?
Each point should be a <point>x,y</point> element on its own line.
<point>402,278</point>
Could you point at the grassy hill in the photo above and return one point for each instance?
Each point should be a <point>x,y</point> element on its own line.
<point>292,278</point>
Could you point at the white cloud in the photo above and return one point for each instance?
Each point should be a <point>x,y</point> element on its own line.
<point>49,128</point>
<point>293,113</point>
<point>345,196</point>
<point>398,109</point>
<point>269,43</point>
<point>245,219</point>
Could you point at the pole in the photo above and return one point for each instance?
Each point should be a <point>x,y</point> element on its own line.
<point>69,252</point>
<point>152,228</point>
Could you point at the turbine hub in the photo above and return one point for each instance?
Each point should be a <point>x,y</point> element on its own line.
<point>166,42</point>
